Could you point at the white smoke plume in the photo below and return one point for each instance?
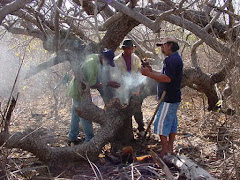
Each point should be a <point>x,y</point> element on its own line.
<point>130,83</point>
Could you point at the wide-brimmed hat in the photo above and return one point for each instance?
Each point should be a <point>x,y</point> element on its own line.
<point>128,43</point>
<point>108,54</point>
<point>166,40</point>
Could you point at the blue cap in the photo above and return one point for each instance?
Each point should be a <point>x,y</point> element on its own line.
<point>109,55</point>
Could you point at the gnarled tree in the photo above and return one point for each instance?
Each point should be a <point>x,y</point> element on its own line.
<point>77,28</point>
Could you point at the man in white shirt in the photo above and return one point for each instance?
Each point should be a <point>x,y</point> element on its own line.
<point>128,65</point>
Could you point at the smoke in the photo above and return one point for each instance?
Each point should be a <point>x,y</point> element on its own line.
<point>130,84</point>
<point>8,70</point>
<point>11,56</point>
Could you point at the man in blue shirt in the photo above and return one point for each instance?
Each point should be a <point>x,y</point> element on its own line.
<point>169,80</point>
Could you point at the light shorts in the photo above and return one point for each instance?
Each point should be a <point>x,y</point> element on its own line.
<point>166,120</point>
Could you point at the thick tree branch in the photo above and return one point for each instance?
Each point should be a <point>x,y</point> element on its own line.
<point>200,18</point>
<point>56,24</point>
<point>143,52</point>
<point>60,58</point>
<point>231,17</point>
<point>108,11</point>
<point>26,16</point>
<point>194,54</point>
<point>110,21</point>
<point>77,30</point>
<point>207,7</point>
<point>221,75</point>
<point>12,7</point>
<point>153,25</point>
<point>134,14</point>
<point>34,140</point>
<point>110,40</point>
<point>197,30</point>
<point>229,12</point>
<point>88,6</point>
<point>203,83</point>
<point>34,33</point>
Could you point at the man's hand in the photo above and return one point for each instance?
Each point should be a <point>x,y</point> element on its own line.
<point>145,63</point>
<point>113,84</point>
<point>150,68</point>
<point>145,71</point>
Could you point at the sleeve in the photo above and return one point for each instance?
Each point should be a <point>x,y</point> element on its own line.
<point>171,68</point>
<point>90,71</point>
<point>138,62</point>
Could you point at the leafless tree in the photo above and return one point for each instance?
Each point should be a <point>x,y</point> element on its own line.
<point>75,28</point>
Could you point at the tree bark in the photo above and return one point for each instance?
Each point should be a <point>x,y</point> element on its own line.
<point>11,7</point>
<point>117,31</point>
<point>111,122</point>
<point>201,82</point>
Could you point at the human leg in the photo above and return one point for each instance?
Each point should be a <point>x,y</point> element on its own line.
<point>87,129</point>
<point>173,131</point>
<point>166,126</point>
<point>74,124</point>
<point>138,116</point>
<point>170,142</point>
<point>164,143</point>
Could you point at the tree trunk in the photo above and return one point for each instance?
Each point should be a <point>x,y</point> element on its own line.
<point>125,133</point>
<point>121,27</point>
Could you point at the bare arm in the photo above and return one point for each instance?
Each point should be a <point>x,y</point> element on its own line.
<point>155,75</point>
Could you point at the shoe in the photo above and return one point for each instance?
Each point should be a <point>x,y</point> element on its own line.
<point>75,142</point>
<point>141,133</point>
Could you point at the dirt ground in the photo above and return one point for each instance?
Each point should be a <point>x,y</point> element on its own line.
<point>210,139</point>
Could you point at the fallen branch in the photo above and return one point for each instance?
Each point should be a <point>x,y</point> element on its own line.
<point>188,168</point>
<point>162,165</point>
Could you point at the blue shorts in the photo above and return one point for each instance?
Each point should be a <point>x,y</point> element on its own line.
<point>166,121</point>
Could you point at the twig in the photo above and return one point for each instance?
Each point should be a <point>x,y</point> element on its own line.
<point>138,172</point>
<point>31,133</point>
<point>9,114</point>
<point>152,171</point>
<point>62,12</point>
<point>15,81</point>
<point>97,170</point>
<point>92,166</point>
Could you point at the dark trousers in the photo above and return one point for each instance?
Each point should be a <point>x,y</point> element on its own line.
<point>138,116</point>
